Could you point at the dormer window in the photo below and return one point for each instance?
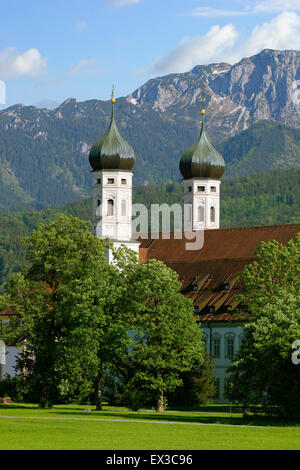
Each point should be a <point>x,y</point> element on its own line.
<point>195,287</point>
<point>196,309</point>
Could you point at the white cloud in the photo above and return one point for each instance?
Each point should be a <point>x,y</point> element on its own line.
<point>276,5</point>
<point>74,70</point>
<point>14,64</point>
<point>198,50</point>
<point>251,8</point>
<point>209,12</point>
<point>282,32</point>
<point>81,25</point>
<point>220,44</point>
<point>122,3</point>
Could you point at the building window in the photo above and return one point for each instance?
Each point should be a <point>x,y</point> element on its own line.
<point>2,357</point>
<point>188,212</point>
<point>212,214</point>
<point>217,387</point>
<point>110,208</point>
<point>213,189</point>
<point>200,214</point>
<point>201,189</point>
<point>190,189</point>
<point>98,203</point>
<point>123,208</point>
<point>123,181</point>
<point>241,339</point>
<point>98,181</point>
<point>229,346</point>
<point>110,181</point>
<point>216,346</point>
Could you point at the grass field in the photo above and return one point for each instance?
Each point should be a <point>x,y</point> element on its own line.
<point>26,427</point>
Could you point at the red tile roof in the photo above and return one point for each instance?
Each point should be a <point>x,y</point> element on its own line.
<point>224,255</point>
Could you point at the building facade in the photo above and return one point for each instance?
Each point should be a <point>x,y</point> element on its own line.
<point>208,276</point>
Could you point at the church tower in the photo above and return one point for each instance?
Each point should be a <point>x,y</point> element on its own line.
<point>112,160</point>
<point>202,168</point>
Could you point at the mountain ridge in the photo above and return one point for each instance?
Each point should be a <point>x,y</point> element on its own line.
<point>44,152</point>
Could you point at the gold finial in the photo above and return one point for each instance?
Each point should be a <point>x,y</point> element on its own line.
<point>203,105</point>
<point>113,95</point>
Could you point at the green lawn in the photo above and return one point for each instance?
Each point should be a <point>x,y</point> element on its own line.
<point>69,427</point>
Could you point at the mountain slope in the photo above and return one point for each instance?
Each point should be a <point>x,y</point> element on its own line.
<point>261,87</point>
<point>44,152</point>
<point>266,146</point>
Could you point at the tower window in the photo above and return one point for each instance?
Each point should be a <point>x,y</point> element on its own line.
<point>201,189</point>
<point>98,181</point>
<point>200,214</point>
<point>123,208</point>
<point>110,181</point>
<point>213,189</point>
<point>98,203</point>
<point>123,181</point>
<point>212,214</point>
<point>190,189</point>
<point>110,207</point>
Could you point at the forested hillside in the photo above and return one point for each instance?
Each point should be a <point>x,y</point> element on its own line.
<point>265,199</point>
<point>253,118</point>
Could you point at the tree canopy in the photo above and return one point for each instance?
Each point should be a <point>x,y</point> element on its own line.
<point>263,371</point>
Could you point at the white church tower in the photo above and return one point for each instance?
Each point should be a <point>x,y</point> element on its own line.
<point>112,160</point>
<point>202,168</point>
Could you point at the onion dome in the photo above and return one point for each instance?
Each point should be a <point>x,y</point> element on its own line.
<point>112,151</point>
<point>202,160</point>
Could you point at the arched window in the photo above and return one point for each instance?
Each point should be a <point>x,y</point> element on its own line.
<point>110,207</point>
<point>229,345</point>
<point>217,387</point>
<point>188,212</point>
<point>216,346</point>
<point>212,214</point>
<point>123,208</point>
<point>200,214</point>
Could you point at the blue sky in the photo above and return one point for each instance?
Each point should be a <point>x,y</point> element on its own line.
<point>53,50</point>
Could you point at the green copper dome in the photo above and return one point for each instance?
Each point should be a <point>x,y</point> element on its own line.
<point>112,151</point>
<point>202,160</point>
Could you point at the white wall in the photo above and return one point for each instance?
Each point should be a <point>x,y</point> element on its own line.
<point>222,363</point>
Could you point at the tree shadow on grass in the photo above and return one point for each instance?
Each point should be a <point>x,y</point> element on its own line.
<point>174,417</point>
<point>213,416</point>
<point>17,406</point>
